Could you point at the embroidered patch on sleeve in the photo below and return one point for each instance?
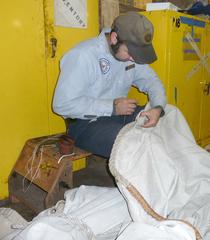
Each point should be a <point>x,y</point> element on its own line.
<point>104,65</point>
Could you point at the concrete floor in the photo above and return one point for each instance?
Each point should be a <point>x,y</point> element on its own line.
<point>96,174</point>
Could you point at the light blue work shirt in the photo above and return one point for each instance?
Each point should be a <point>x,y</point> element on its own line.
<point>91,78</point>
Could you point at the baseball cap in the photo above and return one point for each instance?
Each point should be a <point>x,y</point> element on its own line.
<point>136,31</point>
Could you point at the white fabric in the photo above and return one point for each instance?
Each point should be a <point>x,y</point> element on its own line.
<point>167,167</point>
<point>102,209</point>
<point>167,231</point>
<point>87,213</point>
<point>10,223</point>
<point>53,228</point>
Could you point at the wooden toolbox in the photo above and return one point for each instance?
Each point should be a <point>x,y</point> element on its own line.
<point>41,174</point>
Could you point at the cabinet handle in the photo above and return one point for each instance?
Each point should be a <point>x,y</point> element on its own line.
<point>175,95</point>
<point>54,46</point>
<point>206,89</point>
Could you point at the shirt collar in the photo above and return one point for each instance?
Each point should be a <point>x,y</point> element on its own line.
<point>103,40</point>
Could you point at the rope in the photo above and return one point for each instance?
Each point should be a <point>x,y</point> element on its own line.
<point>29,168</point>
<point>66,155</point>
<point>147,208</point>
<point>145,205</point>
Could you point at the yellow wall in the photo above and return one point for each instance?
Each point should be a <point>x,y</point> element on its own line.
<point>28,74</point>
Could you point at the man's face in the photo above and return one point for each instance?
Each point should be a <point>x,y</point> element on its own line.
<point>119,50</point>
<point>122,54</point>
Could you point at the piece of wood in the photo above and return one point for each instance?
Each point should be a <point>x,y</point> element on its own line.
<point>38,161</point>
<point>109,10</point>
<point>41,174</point>
<point>126,8</point>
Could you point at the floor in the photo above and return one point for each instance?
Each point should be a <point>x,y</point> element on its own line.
<point>96,173</point>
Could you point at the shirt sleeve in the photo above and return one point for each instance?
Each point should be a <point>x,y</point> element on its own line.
<point>147,81</point>
<point>71,99</point>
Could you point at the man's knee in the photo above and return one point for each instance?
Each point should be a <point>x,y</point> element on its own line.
<point>99,138</point>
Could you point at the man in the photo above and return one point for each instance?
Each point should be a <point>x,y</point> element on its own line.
<point>96,76</point>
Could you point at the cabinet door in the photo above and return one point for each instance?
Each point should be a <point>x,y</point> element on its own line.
<point>205,114</point>
<point>59,39</point>
<point>185,88</point>
<point>22,87</point>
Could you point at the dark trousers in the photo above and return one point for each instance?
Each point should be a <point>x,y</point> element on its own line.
<point>97,136</point>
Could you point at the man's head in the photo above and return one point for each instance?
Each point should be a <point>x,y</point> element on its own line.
<point>133,33</point>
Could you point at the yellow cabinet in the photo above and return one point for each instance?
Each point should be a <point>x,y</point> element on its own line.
<point>205,109</point>
<point>31,46</point>
<point>181,41</point>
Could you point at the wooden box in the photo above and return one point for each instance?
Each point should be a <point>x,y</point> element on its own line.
<point>41,174</point>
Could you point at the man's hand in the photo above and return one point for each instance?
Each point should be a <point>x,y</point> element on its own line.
<point>124,106</point>
<point>153,116</point>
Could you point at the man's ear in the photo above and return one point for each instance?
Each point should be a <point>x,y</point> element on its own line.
<point>113,38</point>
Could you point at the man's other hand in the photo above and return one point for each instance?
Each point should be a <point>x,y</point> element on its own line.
<point>152,116</point>
<point>124,106</point>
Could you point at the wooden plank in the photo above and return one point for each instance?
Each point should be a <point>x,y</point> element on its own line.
<point>42,167</point>
<point>126,8</point>
<point>109,10</point>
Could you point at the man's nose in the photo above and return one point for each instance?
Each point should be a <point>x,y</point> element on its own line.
<point>131,59</point>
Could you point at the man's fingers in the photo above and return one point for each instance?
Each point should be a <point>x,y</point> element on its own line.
<point>153,117</point>
<point>132,106</point>
<point>132,101</point>
<point>149,124</point>
<point>143,114</point>
<point>129,111</point>
<point>125,106</point>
